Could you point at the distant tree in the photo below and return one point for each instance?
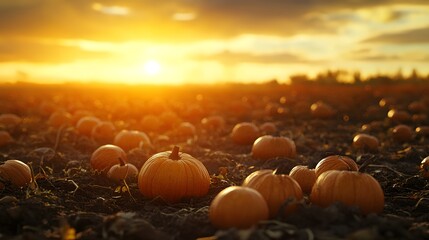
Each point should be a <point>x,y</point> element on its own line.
<point>299,79</point>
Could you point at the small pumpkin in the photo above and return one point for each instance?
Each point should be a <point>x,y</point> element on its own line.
<point>104,157</point>
<point>402,133</point>
<point>79,114</point>
<point>103,132</point>
<point>129,139</point>
<point>321,110</point>
<point>85,125</point>
<point>268,128</point>
<point>122,171</point>
<point>59,118</point>
<point>398,116</point>
<point>245,133</point>
<point>335,162</point>
<point>417,107</point>
<point>424,167</point>
<point>304,176</point>
<point>172,176</point>
<point>9,119</point>
<point>238,207</point>
<point>213,123</point>
<point>351,188</point>
<point>267,147</point>
<point>16,172</point>
<point>276,189</point>
<point>422,130</point>
<point>186,129</point>
<point>387,102</point>
<point>5,138</point>
<point>150,123</point>
<point>365,142</point>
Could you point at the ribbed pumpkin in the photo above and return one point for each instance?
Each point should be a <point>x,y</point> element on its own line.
<point>16,172</point>
<point>104,157</point>
<point>267,147</point>
<point>304,176</point>
<point>5,138</point>
<point>335,162</point>
<point>351,188</point>
<point>276,189</point>
<point>122,171</point>
<point>239,207</point>
<point>172,175</point>
<point>245,133</point>
<point>365,142</point>
<point>129,139</point>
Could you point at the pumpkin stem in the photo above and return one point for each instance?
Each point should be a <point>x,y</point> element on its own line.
<point>175,153</point>
<point>121,161</point>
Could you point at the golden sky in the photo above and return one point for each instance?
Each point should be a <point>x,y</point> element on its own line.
<point>207,41</point>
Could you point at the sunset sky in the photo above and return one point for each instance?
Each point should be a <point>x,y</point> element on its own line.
<point>207,41</point>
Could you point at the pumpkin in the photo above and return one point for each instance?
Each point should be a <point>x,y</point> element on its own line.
<point>365,142</point>
<point>422,130</point>
<point>387,102</point>
<point>402,133</point>
<point>419,118</point>
<point>16,172</point>
<point>169,119</point>
<point>104,157</point>
<point>304,176</point>
<point>268,128</point>
<point>238,207</point>
<point>244,133</point>
<point>321,110</point>
<point>59,118</point>
<point>9,119</point>
<point>186,129</point>
<point>5,138</point>
<point>122,171</point>
<point>213,123</point>
<point>129,139</point>
<point>398,116</point>
<point>172,176</point>
<point>276,190</point>
<point>424,168</point>
<point>79,114</point>
<point>150,123</point>
<point>85,125</point>
<point>417,107</point>
<point>351,188</point>
<point>335,162</point>
<point>103,132</point>
<point>267,147</point>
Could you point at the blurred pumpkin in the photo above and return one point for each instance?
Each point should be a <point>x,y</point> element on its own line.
<point>419,118</point>
<point>267,147</point>
<point>321,110</point>
<point>335,162</point>
<point>351,188</point>
<point>422,130</point>
<point>10,119</point>
<point>424,167</point>
<point>304,176</point>
<point>79,114</point>
<point>213,123</point>
<point>122,171</point>
<point>365,142</point>
<point>238,207</point>
<point>402,133</point>
<point>16,172</point>
<point>186,129</point>
<point>150,123</point>
<point>417,107</point>
<point>104,157</point>
<point>172,176</point>
<point>276,190</point>
<point>268,128</point>
<point>59,118</point>
<point>129,139</point>
<point>103,132</point>
<point>245,133</point>
<point>5,138</point>
<point>387,102</point>
<point>85,125</point>
<point>398,116</point>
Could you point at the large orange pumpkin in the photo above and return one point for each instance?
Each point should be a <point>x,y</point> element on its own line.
<point>351,188</point>
<point>129,139</point>
<point>16,172</point>
<point>335,162</point>
<point>245,133</point>
<point>172,175</point>
<point>304,176</point>
<point>239,207</point>
<point>104,157</point>
<point>276,189</point>
<point>267,147</point>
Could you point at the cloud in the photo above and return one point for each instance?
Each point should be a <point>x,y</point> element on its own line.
<point>419,35</point>
<point>30,51</point>
<point>231,58</point>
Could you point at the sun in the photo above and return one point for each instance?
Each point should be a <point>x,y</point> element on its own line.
<point>152,67</point>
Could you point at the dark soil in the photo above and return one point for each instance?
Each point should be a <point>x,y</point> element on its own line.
<point>70,196</point>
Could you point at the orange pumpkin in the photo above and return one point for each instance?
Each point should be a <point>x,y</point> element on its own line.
<point>268,128</point>
<point>186,129</point>
<point>304,176</point>
<point>402,133</point>
<point>244,133</point>
<point>422,130</point>
<point>122,171</point>
<point>424,167</point>
<point>417,107</point>
<point>276,189</point>
<point>9,119</point>
<point>79,114</point>
<point>267,147</point>
<point>85,125</point>
<point>335,162</point>
<point>103,132</point>
<point>238,207</point>
<point>321,110</point>
<point>16,172</point>
<point>351,188</point>
<point>365,142</point>
<point>5,138</point>
<point>104,157</point>
<point>150,123</point>
<point>213,123</point>
<point>129,139</point>
<point>398,116</point>
<point>419,118</point>
<point>59,118</point>
<point>387,102</point>
<point>172,175</point>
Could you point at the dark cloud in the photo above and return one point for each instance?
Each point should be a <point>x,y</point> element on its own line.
<point>231,58</point>
<point>420,35</point>
<point>29,51</point>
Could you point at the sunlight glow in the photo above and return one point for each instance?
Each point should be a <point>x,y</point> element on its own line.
<point>152,67</point>
<point>111,10</point>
